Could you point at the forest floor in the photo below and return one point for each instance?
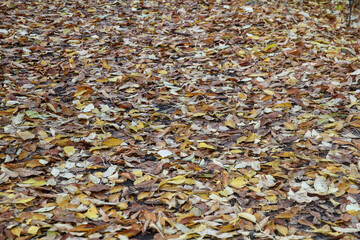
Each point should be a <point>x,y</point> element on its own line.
<point>185,119</point>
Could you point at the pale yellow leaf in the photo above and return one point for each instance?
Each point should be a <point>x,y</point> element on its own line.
<point>163,72</point>
<point>289,126</point>
<point>177,180</point>
<point>42,134</point>
<point>230,124</point>
<point>26,135</point>
<point>268,92</point>
<point>34,182</point>
<point>33,230</point>
<point>247,216</point>
<point>291,81</point>
<point>241,139</point>
<point>69,150</point>
<point>25,200</point>
<point>142,179</point>
<point>198,114</point>
<point>97,148</point>
<point>143,195</point>
<point>122,206</point>
<point>252,137</point>
<point>16,231</point>
<point>137,173</point>
<point>282,229</point>
<point>190,181</point>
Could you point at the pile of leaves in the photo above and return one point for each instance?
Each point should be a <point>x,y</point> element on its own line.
<point>185,119</point>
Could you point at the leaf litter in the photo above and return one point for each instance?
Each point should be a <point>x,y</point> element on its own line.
<point>178,120</point>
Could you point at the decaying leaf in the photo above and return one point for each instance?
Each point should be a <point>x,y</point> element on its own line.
<point>178,120</point>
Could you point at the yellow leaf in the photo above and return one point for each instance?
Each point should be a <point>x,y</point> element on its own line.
<point>122,206</point>
<point>338,125</point>
<point>230,124</point>
<point>25,200</point>
<point>69,150</point>
<point>254,37</point>
<point>40,217</point>
<point>92,212</point>
<point>190,181</point>
<point>33,230</point>
<point>163,72</point>
<point>80,92</point>
<point>168,195</point>
<point>205,145</point>
<point>143,195</point>
<point>138,138</point>
<point>103,80</point>
<point>198,114</point>
<point>105,65</point>
<point>29,181</point>
<point>286,154</point>
<point>42,134</point>
<point>142,179</point>
<point>291,81</point>
<point>134,128</point>
<point>116,189</point>
<point>115,79</point>
<point>285,215</point>
<point>241,53</point>
<point>26,135</point>
<point>39,183</point>
<point>252,137</point>
<point>241,139</point>
<point>271,198</point>
<point>258,75</point>
<point>34,182</point>
<point>238,182</point>
<point>177,180</point>
<point>112,142</point>
<point>99,122</point>
<point>270,46</point>
<point>283,105</point>
<point>289,126</point>
<point>242,96</point>
<point>236,151</point>
<point>247,216</point>
<point>97,148</point>
<point>140,125</point>
<point>137,173</point>
<point>80,215</point>
<point>16,231</point>
<point>252,114</point>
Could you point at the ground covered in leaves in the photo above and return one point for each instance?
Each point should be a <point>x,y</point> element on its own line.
<point>178,120</point>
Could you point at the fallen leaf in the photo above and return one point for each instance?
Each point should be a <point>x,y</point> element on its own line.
<point>205,145</point>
